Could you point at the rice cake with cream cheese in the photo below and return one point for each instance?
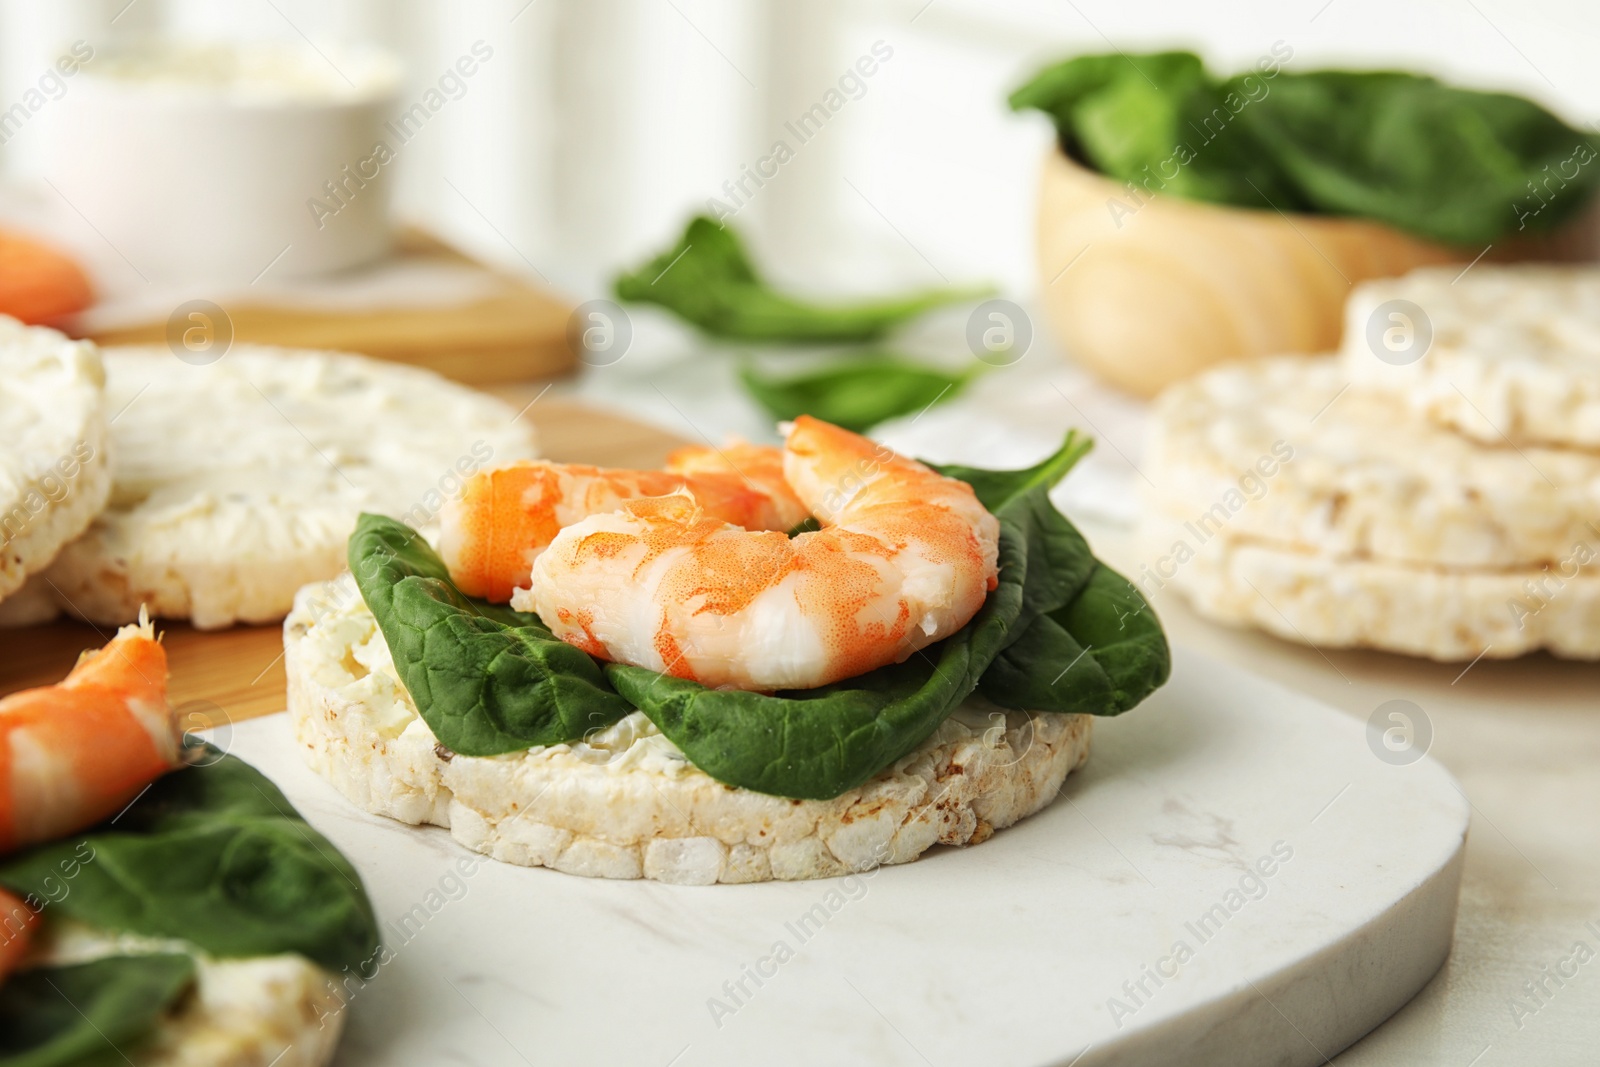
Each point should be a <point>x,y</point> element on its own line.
<point>624,802</point>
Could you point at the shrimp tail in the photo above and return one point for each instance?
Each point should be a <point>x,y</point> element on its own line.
<point>17,924</point>
<point>78,752</point>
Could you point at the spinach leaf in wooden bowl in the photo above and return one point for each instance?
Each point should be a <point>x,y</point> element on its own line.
<point>1454,165</point>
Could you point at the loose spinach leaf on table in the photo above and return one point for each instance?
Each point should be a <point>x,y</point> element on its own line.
<point>88,1012</point>
<point>216,856</point>
<point>857,392</point>
<point>486,679</point>
<point>1454,165</point>
<point>707,280</point>
<point>806,744</point>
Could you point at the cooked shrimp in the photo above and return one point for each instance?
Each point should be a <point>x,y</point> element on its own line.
<point>491,533</point>
<point>905,557</point>
<point>38,283</point>
<point>17,922</point>
<point>75,753</point>
<point>758,465</point>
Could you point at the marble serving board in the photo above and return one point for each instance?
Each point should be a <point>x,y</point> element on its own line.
<point>1241,875</point>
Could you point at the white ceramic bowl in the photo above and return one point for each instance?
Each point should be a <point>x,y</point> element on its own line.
<point>216,162</point>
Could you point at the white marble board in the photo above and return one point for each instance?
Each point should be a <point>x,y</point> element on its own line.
<point>1030,949</point>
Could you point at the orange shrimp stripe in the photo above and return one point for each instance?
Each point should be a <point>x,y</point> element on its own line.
<point>17,924</point>
<point>89,722</point>
<point>505,516</point>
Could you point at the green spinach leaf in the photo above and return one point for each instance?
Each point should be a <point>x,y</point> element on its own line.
<point>995,489</point>
<point>857,392</point>
<point>1100,655</point>
<point>216,856</point>
<point>88,1012</point>
<point>1119,112</point>
<point>1451,164</point>
<point>486,679</point>
<point>1454,165</point>
<point>1138,118</point>
<point>1102,652</point>
<point>707,280</point>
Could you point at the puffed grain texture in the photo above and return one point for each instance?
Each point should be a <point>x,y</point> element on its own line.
<point>1288,450</point>
<point>1438,613</point>
<point>1515,353</point>
<point>55,474</point>
<point>625,803</point>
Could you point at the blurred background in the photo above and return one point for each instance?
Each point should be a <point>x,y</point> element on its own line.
<point>588,132</point>
<point>600,124</point>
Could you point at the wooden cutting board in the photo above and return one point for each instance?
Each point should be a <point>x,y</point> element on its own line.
<point>236,674</point>
<point>514,332</point>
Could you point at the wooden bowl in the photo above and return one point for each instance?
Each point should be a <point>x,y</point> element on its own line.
<point>1146,290</point>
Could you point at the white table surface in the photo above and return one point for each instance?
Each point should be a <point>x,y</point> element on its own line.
<point>1522,737</point>
<point>1523,740</point>
<point>1235,837</point>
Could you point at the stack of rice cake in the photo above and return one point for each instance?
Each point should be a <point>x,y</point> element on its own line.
<point>1434,489</point>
